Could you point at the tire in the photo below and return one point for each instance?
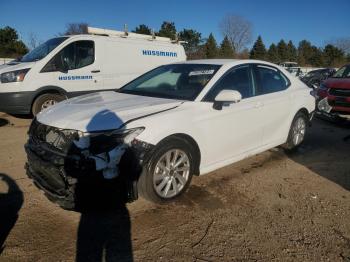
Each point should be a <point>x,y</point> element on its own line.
<point>297,131</point>
<point>44,101</point>
<point>161,173</point>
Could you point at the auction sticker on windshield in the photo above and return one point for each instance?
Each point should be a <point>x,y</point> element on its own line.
<point>201,72</point>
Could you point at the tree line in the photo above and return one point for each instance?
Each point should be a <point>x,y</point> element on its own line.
<point>237,37</point>
<point>305,54</point>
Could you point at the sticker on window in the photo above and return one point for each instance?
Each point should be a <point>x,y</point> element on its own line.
<point>201,72</point>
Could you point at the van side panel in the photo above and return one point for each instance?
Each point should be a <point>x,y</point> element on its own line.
<point>126,59</point>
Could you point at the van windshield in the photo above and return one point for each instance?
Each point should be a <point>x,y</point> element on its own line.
<point>176,81</point>
<point>42,50</point>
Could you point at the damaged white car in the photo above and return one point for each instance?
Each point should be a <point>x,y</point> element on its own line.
<point>162,128</point>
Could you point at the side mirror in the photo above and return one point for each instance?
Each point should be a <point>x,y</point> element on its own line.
<point>226,96</point>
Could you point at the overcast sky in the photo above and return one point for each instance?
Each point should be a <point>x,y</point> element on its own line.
<point>317,21</point>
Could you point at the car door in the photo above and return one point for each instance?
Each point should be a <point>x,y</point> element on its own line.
<point>273,91</point>
<point>236,128</point>
<point>75,69</point>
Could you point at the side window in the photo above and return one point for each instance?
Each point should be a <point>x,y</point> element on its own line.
<point>239,79</point>
<point>270,80</point>
<point>74,56</point>
<point>85,53</point>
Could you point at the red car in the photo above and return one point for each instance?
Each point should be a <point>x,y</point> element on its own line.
<point>336,90</point>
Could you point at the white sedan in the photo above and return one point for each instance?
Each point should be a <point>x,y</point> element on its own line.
<point>175,121</point>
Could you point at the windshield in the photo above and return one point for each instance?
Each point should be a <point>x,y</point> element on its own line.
<point>176,81</point>
<point>343,72</point>
<point>42,50</point>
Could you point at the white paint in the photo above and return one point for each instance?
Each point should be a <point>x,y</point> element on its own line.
<point>117,59</point>
<point>224,136</point>
<point>5,60</point>
<point>102,111</point>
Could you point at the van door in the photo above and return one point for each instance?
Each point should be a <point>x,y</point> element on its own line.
<point>75,68</point>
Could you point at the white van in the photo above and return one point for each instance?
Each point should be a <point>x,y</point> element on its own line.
<point>68,66</point>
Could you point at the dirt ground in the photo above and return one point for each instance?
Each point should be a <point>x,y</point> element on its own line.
<point>271,207</point>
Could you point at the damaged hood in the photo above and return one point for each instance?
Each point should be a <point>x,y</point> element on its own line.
<point>103,111</point>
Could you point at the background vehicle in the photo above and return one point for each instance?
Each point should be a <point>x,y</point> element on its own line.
<point>291,67</point>
<point>68,66</point>
<point>167,125</point>
<point>315,77</point>
<point>334,93</point>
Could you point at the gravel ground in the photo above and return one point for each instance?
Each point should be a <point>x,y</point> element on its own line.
<point>271,207</point>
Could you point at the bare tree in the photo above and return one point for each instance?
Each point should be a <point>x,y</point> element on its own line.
<point>343,43</point>
<point>238,30</point>
<point>76,29</point>
<point>33,41</point>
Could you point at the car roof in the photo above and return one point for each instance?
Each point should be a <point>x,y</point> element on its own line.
<point>225,62</point>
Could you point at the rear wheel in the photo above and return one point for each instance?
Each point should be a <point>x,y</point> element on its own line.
<point>44,101</point>
<point>169,171</point>
<point>297,131</point>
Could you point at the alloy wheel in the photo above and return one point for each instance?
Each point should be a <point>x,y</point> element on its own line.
<point>299,130</point>
<point>171,173</point>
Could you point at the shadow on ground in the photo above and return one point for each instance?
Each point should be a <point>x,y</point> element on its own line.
<point>10,204</point>
<point>326,151</point>
<point>104,234</point>
<point>4,122</point>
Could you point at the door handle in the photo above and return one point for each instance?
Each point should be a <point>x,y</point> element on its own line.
<point>95,71</point>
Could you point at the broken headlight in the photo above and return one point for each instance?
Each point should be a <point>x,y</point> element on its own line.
<point>101,142</point>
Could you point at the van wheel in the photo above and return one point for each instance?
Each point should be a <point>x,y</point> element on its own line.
<point>297,132</point>
<point>44,101</point>
<point>168,172</point>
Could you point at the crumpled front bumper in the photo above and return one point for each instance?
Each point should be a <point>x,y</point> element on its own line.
<point>73,182</point>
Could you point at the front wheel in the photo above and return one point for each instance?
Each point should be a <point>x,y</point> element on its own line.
<point>297,131</point>
<point>44,101</point>
<point>169,171</point>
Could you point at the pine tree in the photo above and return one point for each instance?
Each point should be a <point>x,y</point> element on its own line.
<point>272,54</point>
<point>258,51</point>
<point>282,50</point>
<point>226,49</point>
<point>316,57</point>
<point>167,29</point>
<point>192,39</point>
<point>211,49</point>
<point>10,44</point>
<point>333,56</point>
<point>304,52</point>
<point>291,52</point>
<point>143,29</point>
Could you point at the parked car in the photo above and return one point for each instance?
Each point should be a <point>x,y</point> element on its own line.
<point>334,93</point>
<point>68,66</point>
<point>292,67</point>
<point>314,78</point>
<point>167,125</point>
